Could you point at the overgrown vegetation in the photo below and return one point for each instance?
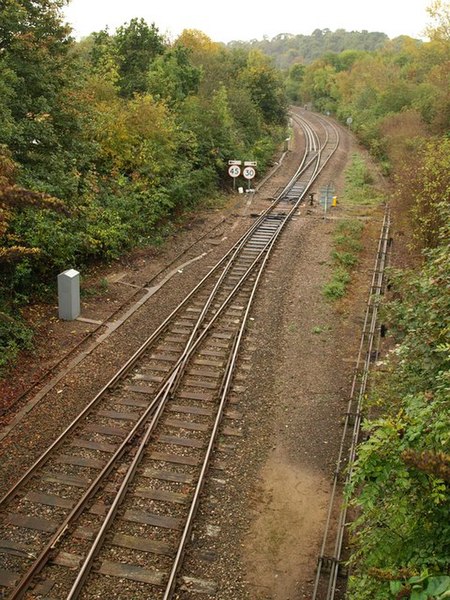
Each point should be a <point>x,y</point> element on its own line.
<point>359,192</point>
<point>104,140</point>
<point>346,241</point>
<point>401,485</point>
<point>359,185</point>
<point>398,99</point>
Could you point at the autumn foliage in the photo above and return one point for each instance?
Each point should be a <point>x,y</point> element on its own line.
<point>103,142</point>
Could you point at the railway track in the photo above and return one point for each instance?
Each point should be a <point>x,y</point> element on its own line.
<point>330,574</point>
<point>108,508</point>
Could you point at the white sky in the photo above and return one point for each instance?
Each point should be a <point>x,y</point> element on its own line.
<point>252,19</point>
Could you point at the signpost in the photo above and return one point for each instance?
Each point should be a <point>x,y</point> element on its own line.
<point>234,170</point>
<point>327,198</point>
<point>249,173</point>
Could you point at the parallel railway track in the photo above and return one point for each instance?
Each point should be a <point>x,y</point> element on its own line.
<point>114,498</point>
<point>330,565</point>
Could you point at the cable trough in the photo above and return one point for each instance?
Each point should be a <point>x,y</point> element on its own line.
<point>108,508</point>
<point>330,563</point>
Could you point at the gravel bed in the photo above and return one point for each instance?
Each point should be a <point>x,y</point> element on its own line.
<point>267,493</point>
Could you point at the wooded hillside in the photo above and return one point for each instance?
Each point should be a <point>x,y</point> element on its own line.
<point>287,49</point>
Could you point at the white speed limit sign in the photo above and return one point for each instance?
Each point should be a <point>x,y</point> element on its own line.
<point>234,171</point>
<point>249,172</point>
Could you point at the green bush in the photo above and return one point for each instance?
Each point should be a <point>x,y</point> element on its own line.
<point>14,336</point>
<point>336,288</point>
<point>401,481</point>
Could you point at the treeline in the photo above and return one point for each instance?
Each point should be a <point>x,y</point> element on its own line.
<point>102,140</point>
<point>399,103</point>
<point>287,49</point>
<point>397,93</point>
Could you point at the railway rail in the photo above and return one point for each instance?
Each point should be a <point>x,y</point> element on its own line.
<point>330,562</point>
<point>112,501</point>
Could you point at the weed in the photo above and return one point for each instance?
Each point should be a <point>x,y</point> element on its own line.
<point>359,188</point>
<point>336,288</point>
<point>99,289</point>
<point>321,329</point>
<point>345,259</point>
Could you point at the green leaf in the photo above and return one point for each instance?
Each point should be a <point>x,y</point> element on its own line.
<point>418,595</point>
<point>438,585</point>
<point>395,586</point>
<point>417,578</point>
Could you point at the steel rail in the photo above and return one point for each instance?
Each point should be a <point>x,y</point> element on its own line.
<point>170,586</point>
<point>158,411</point>
<point>96,484</point>
<point>365,346</point>
<point>156,405</point>
<point>95,547</point>
<point>132,360</point>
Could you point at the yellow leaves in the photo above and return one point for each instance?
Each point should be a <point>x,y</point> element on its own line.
<point>16,253</point>
<point>439,11</point>
<point>432,463</point>
<point>134,134</point>
<point>146,118</point>
<point>7,166</point>
<point>39,118</point>
<point>13,197</point>
<point>198,42</point>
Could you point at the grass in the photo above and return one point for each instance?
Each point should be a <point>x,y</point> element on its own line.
<point>359,188</point>
<point>347,245</point>
<point>99,289</point>
<point>359,193</point>
<point>292,328</point>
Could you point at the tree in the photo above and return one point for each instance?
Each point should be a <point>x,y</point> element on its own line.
<point>265,86</point>
<point>293,81</point>
<point>172,77</point>
<point>439,11</point>
<point>38,71</point>
<point>104,57</point>
<point>318,86</point>
<point>138,44</point>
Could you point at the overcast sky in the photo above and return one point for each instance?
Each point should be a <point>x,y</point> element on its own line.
<point>252,19</point>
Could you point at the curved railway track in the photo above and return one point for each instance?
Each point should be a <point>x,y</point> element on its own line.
<point>112,501</point>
